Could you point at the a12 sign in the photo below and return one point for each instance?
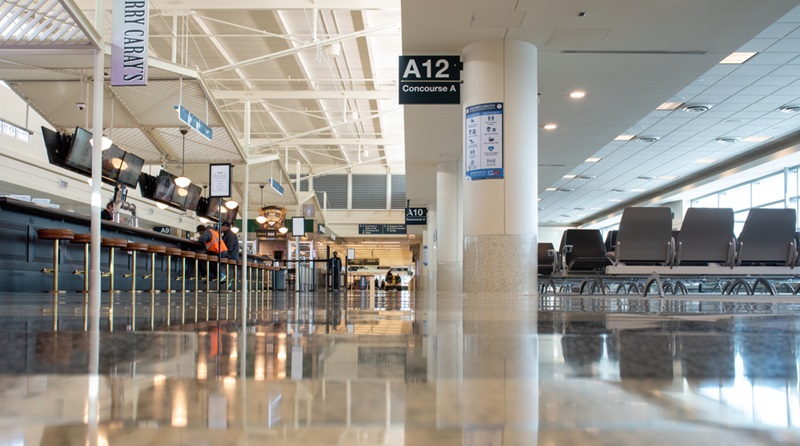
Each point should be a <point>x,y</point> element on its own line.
<point>430,79</point>
<point>416,216</point>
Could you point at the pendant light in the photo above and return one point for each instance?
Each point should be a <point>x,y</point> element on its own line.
<point>261,219</point>
<point>231,204</point>
<point>183,181</point>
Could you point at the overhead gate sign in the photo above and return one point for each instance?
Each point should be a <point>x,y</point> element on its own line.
<point>430,79</point>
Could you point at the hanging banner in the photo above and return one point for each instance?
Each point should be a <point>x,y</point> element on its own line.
<point>129,34</point>
<point>276,185</point>
<point>484,141</point>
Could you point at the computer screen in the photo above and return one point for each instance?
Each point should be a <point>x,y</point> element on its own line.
<point>113,159</point>
<point>56,151</point>
<point>193,197</point>
<point>130,170</point>
<point>165,187</point>
<point>80,151</point>
<point>213,208</point>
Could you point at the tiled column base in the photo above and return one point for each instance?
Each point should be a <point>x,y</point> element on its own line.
<point>448,277</point>
<point>500,264</point>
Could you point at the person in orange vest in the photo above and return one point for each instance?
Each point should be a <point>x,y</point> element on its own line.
<point>214,245</point>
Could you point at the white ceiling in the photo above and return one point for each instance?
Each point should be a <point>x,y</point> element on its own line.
<point>629,56</point>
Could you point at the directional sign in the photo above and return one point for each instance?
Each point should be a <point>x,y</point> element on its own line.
<point>194,122</point>
<point>372,229</point>
<point>416,216</point>
<point>430,80</point>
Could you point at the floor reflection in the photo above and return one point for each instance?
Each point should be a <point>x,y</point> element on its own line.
<point>400,369</point>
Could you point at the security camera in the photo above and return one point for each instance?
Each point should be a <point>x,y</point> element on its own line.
<point>81,105</point>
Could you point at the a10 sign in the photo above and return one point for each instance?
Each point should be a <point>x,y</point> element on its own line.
<point>430,79</point>
<point>416,216</point>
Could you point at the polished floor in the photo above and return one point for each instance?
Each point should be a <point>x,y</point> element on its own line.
<point>399,369</point>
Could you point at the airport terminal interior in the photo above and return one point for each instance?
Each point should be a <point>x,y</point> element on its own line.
<point>399,222</point>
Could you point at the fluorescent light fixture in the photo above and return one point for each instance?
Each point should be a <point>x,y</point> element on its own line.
<point>577,94</point>
<point>756,138</point>
<point>638,190</point>
<point>593,160</point>
<point>551,189</point>
<point>569,176</point>
<point>550,126</point>
<point>705,161</point>
<point>667,177</point>
<point>595,209</point>
<point>615,200</point>
<point>669,105</point>
<point>624,137</point>
<point>738,57</point>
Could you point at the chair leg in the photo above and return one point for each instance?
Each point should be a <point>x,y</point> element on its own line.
<point>56,259</point>
<point>111,269</point>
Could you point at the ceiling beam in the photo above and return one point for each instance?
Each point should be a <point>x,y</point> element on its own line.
<point>300,48</point>
<point>261,142</point>
<point>255,5</point>
<point>305,94</point>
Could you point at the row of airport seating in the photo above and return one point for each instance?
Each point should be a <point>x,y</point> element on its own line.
<point>705,245</point>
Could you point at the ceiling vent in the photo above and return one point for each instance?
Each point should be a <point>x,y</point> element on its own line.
<point>565,190</point>
<point>618,191</point>
<point>696,108</point>
<point>790,109</point>
<point>724,140</point>
<point>645,178</point>
<point>648,138</point>
<point>584,177</point>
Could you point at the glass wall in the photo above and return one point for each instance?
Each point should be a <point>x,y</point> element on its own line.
<point>778,190</point>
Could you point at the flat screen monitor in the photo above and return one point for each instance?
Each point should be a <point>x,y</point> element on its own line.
<point>130,170</point>
<point>80,151</point>
<point>179,196</point>
<point>165,187</point>
<point>113,158</point>
<point>230,216</point>
<point>193,197</point>
<point>213,208</point>
<point>56,150</point>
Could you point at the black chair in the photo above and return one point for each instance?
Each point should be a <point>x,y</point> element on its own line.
<point>767,238</point>
<point>583,250</point>
<point>611,240</point>
<point>645,236</point>
<point>545,259</point>
<point>706,236</point>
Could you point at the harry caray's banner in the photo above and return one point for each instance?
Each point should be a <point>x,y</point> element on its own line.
<point>129,42</point>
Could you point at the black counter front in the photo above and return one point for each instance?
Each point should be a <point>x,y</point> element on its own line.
<point>23,255</point>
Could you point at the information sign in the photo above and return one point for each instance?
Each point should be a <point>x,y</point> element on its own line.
<point>484,141</point>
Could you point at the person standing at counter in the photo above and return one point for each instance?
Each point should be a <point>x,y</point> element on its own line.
<point>214,246</point>
<point>108,212</point>
<point>231,241</point>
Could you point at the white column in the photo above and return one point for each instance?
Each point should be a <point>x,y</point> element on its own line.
<point>500,215</point>
<point>349,190</point>
<point>448,261</point>
<point>310,179</point>
<point>388,188</point>
<point>244,211</point>
<point>432,237</point>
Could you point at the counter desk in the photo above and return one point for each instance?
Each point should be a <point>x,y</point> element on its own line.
<point>24,255</point>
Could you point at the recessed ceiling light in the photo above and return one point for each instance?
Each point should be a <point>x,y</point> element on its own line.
<point>593,160</point>
<point>667,177</point>
<point>569,176</point>
<point>726,140</point>
<point>615,200</point>
<point>756,138</point>
<point>669,105</point>
<point>638,190</point>
<point>550,189</point>
<point>538,199</point>
<point>648,139</point>
<point>790,109</point>
<point>550,126</point>
<point>618,191</point>
<point>624,137</point>
<point>705,161</point>
<point>696,108</point>
<point>738,57</point>
<point>577,94</point>
<point>595,209</point>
